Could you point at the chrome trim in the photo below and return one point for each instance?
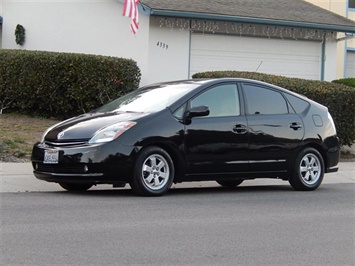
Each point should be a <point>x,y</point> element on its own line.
<point>68,175</point>
<point>59,144</point>
<point>332,169</point>
<point>268,161</point>
<point>237,162</point>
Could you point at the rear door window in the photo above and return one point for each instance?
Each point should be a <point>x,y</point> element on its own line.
<point>264,101</point>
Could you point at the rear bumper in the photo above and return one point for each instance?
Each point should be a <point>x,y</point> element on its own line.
<point>332,147</point>
<point>332,169</point>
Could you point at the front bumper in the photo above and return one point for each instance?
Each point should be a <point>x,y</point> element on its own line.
<point>106,163</point>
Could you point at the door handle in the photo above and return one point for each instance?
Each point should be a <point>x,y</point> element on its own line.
<point>240,129</point>
<point>295,126</point>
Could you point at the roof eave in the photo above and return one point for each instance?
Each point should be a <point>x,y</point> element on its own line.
<point>238,19</point>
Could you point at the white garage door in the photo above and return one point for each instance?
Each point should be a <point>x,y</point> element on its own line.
<point>292,58</point>
<point>350,64</point>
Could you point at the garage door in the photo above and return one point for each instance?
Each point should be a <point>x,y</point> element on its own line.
<point>350,64</point>
<point>292,58</point>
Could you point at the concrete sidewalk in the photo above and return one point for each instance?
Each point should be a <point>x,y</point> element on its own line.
<point>18,177</point>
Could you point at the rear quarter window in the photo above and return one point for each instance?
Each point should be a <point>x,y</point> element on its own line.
<point>298,104</point>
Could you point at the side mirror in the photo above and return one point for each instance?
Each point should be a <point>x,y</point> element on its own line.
<point>196,111</point>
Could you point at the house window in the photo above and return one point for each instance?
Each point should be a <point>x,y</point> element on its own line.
<point>351,3</point>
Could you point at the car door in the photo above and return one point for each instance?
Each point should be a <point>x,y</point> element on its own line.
<point>217,143</point>
<point>275,131</point>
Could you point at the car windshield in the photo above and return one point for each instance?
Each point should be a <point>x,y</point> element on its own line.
<point>148,100</point>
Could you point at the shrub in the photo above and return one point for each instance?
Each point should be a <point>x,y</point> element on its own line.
<point>339,99</point>
<point>348,82</point>
<point>61,85</point>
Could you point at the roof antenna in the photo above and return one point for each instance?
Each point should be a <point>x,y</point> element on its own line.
<point>259,66</point>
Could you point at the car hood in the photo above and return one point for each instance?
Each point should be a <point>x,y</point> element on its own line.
<point>85,126</point>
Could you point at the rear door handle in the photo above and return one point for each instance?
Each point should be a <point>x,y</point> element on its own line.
<point>240,129</point>
<point>295,126</point>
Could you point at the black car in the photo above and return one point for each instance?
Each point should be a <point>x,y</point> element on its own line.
<point>226,130</point>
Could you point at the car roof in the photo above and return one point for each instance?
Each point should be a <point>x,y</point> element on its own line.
<point>212,81</point>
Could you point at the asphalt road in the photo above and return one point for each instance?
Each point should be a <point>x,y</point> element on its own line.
<point>258,223</point>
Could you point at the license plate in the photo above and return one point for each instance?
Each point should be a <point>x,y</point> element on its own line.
<point>51,156</point>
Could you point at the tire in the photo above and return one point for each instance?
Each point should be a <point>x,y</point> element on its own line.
<point>230,183</point>
<point>308,170</point>
<point>75,187</point>
<point>153,172</point>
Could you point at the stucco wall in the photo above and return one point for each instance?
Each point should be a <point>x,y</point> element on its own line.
<point>336,6</point>
<point>168,52</point>
<point>351,42</point>
<point>330,71</point>
<point>80,26</point>
<point>98,27</point>
<point>1,24</point>
<point>339,7</point>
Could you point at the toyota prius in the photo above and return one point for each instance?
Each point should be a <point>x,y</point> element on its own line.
<point>224,130</point>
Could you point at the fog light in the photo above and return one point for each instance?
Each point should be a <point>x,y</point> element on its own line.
<point>36,166</point>
<point>86,168</point>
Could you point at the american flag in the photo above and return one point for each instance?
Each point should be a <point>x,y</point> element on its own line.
<point>130,9</point>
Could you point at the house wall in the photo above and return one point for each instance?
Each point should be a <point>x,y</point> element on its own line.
<point>0,36</point>
<point>80,26</point>
<point>336,6</point>
<point>169,51</point>
<point>331,59</point>
<point>161,49</point>
<point>351,42</point>
<point>349,63</point>
<point>350,50</point>
<point>340,7</point>
<point>1,24</point>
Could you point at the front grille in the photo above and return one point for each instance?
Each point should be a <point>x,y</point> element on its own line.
<point>61,168</point>
<point>67,143</point>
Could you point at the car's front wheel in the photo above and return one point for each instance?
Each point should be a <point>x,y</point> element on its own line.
<point>153,173</point>
<point>308,170</point>
<point>75,187</point>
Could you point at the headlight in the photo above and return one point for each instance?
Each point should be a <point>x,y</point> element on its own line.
<point>111,132</point>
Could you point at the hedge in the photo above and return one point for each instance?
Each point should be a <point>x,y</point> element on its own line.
<point>62,85</point>
<point>339,99</point>
<point>348,82</point>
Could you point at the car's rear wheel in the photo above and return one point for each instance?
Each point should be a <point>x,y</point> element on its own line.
<point>230,183</point>
<point>75,187</point>
<point>308,170</point>
<point>153,173</point>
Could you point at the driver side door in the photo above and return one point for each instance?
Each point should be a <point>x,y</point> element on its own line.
<point>217,144</point>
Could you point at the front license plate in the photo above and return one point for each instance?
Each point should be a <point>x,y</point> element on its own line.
<point>51,156</point>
